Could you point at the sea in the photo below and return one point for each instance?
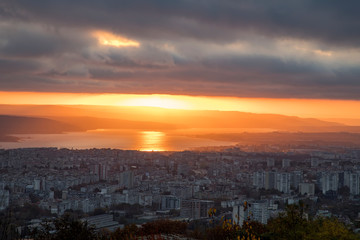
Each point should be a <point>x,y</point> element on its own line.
<point>116,139</point>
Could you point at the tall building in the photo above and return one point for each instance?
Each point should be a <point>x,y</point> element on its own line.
<point>341,179</point>
<point>255,210</point>
<point>258,179</point>
<point>169,202</point>
<point>307,188</point>
<point>283,182</point>
<point>96,169</point>
<point>195,208</point>
<point>354,183</point>
<point>270,180</point>
<point>296,179</point>
<point>126,179</point>
<point>103,172</point>
<point>39,184</point>
<point>328,181</point>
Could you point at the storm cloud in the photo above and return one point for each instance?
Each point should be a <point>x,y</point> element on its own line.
<point>300,49</point>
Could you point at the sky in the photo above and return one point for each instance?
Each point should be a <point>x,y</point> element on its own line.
<point>308,108</point>
<point>260,49</point>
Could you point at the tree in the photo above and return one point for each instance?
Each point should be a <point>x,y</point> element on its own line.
<point>129,232</point>
<point>330,228</point>
<point>289,225</point>
<point>64,228</point>
<point>293,224</point>
<point>8,228</point>
<point>163,226</point>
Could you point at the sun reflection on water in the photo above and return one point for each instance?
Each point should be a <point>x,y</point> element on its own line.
<point>152,141</point>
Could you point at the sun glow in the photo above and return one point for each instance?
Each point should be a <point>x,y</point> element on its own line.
<point>163,101</point>
<point>318,108</point>
<point>110,39</point>
<point>152,141</point>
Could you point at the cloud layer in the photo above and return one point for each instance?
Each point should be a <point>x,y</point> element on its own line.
<point>290,49</point>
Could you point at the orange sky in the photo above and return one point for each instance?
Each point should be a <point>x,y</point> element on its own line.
<point>295,107</point>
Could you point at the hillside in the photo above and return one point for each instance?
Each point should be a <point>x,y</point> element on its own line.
<point>29,125</point>
<point>110,117</point>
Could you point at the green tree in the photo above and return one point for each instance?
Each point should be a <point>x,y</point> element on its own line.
<point>294,224</point>
<point>64,228</point>
<point>331,229</point>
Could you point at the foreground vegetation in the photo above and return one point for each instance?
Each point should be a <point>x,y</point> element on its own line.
<point>292,224</point>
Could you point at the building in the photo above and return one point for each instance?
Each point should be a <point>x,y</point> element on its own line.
<point>258,179</point>
<point>307,188</point>
<point>103,221</point>
<point>103,172</point>
<point>328,181</point>
<point>37,184</point>
<point>169,202</point>
<point>195,208</point>
<point>283,182</point>
<point>254,210</point>
<point>296,178</point>
<point>273,180</point>
<point>126,179</point>
<point>354,183</point>
<point>270,180</point>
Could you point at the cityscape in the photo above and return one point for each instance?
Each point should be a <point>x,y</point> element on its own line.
<point>180,185</point>
<point>179,120</point>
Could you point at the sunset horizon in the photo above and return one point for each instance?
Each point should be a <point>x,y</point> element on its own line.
<point>307,108</point>
<point>250,57</point>
<point>159,119</point>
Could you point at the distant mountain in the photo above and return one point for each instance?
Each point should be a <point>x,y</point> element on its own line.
<point>6,138</point>
<point>29,125</point>
<point>152,118</point>
<point>346,121</point>
<point>185,119</point>
<point>36,125</point>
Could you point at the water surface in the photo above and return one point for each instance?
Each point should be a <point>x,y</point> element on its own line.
<point>120,139</point>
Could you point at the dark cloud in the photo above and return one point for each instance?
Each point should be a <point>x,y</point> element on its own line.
<point>29,41</point>
<point>8,67</point>
<point>146,57</point>
<point>244,77</point>
<point>257,48</point>
<point>109,74</point>
<point>330,21</point>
